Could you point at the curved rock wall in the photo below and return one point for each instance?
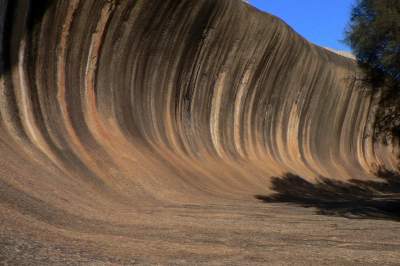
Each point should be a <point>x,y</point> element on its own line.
<point>143,102</point>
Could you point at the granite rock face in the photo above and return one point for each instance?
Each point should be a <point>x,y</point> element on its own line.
<point>111,109</point>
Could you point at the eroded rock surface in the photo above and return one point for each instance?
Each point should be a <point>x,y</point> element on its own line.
<point>147,131</point>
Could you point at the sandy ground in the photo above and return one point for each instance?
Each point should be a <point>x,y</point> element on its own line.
<point>256,233</point>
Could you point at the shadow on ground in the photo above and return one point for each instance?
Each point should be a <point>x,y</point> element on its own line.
<point>353,199</point>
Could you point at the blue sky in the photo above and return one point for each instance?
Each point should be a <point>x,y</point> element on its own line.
<point>322,22</point>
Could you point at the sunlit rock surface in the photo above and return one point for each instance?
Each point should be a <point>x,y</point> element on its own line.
<point>136,131</point>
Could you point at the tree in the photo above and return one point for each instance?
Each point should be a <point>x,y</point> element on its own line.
<point>374,36</point>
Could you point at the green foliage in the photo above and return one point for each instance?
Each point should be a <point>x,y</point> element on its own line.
<point>374,35</point>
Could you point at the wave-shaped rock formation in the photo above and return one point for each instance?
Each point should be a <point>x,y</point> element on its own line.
<point>124,117</point>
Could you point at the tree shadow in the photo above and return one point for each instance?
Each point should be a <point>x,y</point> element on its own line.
<point>354,199</point>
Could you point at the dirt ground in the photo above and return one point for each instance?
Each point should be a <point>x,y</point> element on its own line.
<point>256,233</point>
